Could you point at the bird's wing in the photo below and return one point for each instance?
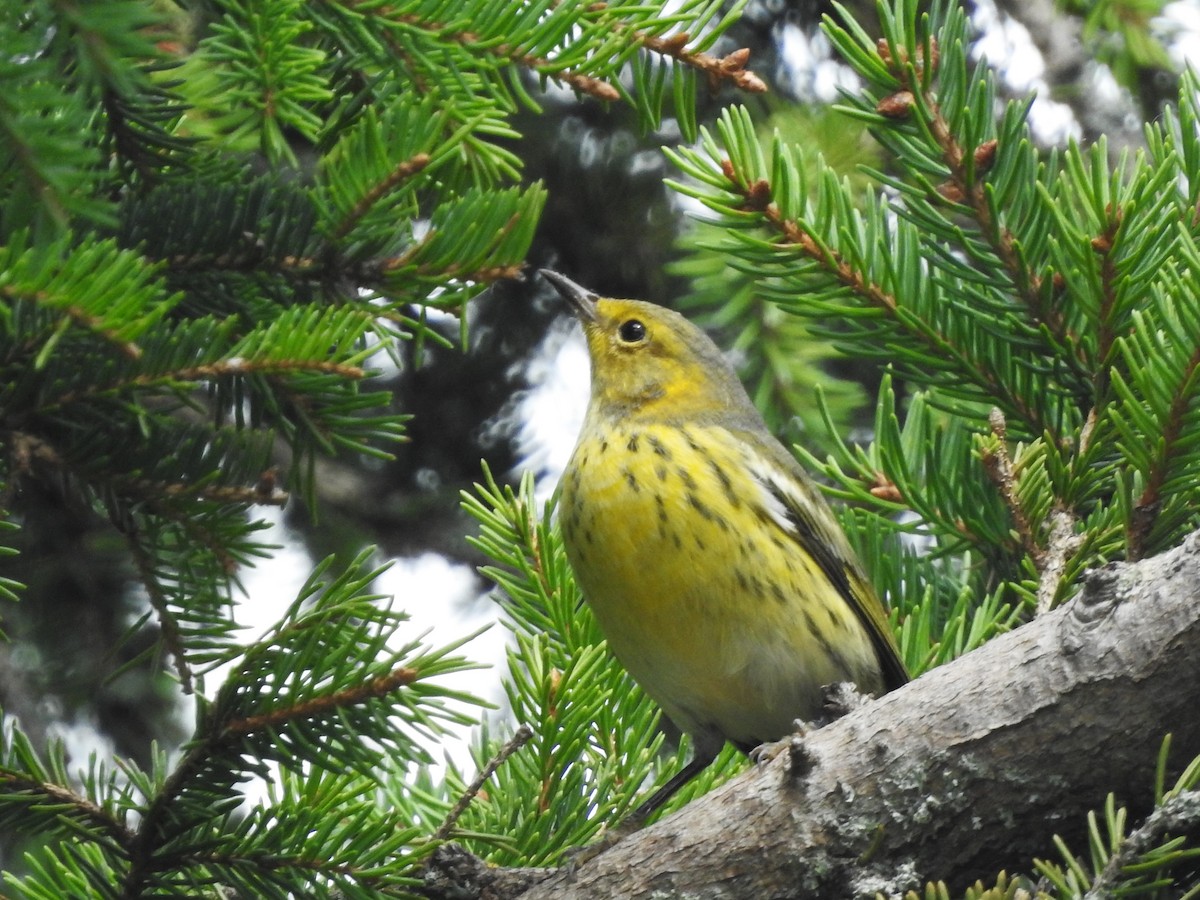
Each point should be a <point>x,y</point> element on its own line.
<point>794,504</point>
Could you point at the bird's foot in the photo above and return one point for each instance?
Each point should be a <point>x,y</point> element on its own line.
<point>768,750</point>
<point>842,697</point>
<point>793,745</point>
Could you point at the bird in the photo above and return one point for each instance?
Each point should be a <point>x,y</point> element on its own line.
<point>718,574</point>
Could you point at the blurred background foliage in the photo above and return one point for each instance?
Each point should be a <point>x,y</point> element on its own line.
<point>111,111</point>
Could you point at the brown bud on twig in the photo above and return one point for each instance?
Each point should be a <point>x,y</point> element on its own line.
<point>885,489</point>
<point>736,61</point>
<point>733,66</point>
<point>896,106</point>
<point>985,155</point>
<point>948,190</point>
<point>751,83</point>
<point>675,42</point>
<point>758,196</point>
<point>901,56</point>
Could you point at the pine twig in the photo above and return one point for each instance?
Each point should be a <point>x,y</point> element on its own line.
<point>224,368</point>
<point>1049,559</point>
<point>1145,509</point>
<point>758,197</point>
<point>401,172</point>
<point>171,636</point>
<point>731,67</point>
<point>12,783</point>
<point>1179,814</point>
<point>519,739</point>
<point>263,492</point>
<point>80,318</point>
<point>326,703</point>
<point>1060,546</point>
<point>585,84</point>
<point>217,734</point>
<point>966,186</point>
<point>999,468</point>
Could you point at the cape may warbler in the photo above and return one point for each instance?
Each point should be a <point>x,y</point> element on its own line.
<point>717,572</point>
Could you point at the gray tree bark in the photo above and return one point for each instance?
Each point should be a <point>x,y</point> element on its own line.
<point>967,771</point>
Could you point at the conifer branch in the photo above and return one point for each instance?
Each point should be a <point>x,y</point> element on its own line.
<point>534,557</point>
<point>322,269</point>
<point>1050,559</point>
<point>272,861</point>
<point>32,174</point>
<point>124,139</point>
<point>999,468</point>
<point>263,493</point>
<point>731,67</point>
<point>385,268</point>
<point>172,637</point>
<point>758,198</point>
<point>141,847</point>
<point>1061,544</point>
<point>250,259</point>
<point>219,736</point>
<point>596,88</point>
<point>399,174</point>
<point>1145,509</point>
<point>882,487</point>
<point>302,404</point>
<point>225,368</point>
<point>966,184</point>
<point>584,84</point>
<point>380,686</point>
<point>75,315</point>
<point>1177,815</point>
<point>519,739</point>
<point>492,274</point>
<point>16,783</point>
<point>1106,335</point>
<point>28,450</point>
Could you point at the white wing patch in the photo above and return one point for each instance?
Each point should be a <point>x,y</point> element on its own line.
<point>771,484</point>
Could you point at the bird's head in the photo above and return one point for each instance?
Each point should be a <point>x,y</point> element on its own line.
<point>650,360</point>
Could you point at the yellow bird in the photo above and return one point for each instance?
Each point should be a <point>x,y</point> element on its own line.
<point>716,570</point>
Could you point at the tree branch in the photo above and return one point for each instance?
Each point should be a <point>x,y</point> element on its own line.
<point>968,770</point>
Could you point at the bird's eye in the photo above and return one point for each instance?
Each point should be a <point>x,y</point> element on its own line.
<point>631,331</point>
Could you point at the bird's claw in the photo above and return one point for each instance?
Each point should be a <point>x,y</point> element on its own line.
<point>842,697</point>
<point>793,744</point>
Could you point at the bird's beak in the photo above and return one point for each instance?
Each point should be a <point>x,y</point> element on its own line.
<point>582,301</point>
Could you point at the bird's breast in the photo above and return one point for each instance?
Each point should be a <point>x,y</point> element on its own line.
<point>702,596</point>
